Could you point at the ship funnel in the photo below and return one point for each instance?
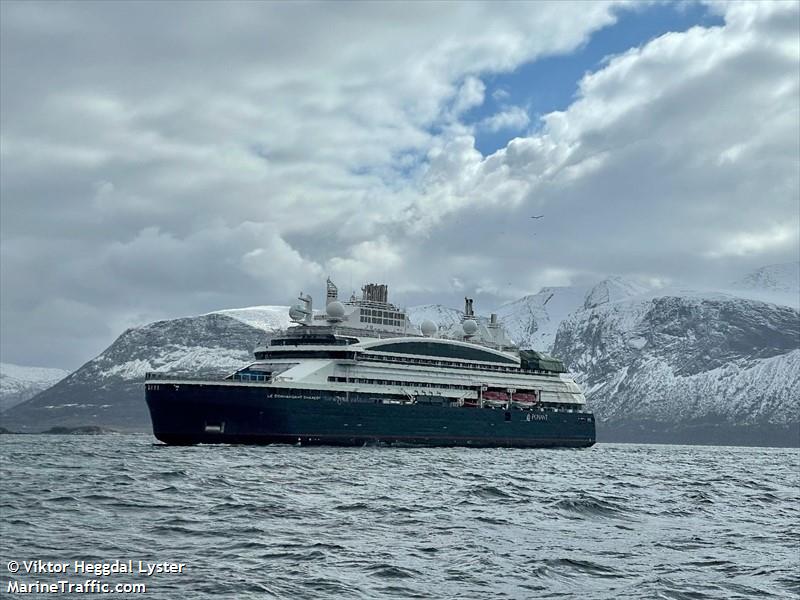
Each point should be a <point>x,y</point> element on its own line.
<point>468,312</point>
<point>375,292</point>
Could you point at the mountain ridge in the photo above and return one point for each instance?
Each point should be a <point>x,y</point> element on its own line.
<point>670,357</point>
<point>19,384</point>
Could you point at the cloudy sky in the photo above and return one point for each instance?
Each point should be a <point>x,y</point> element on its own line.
<point>166,159</point>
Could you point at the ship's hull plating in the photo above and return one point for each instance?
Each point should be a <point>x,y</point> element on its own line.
<point>191,413</point>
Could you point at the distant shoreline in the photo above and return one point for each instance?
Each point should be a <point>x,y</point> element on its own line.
<point>81,430</point>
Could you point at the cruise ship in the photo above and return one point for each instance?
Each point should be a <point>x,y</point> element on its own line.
<point>359,372</point>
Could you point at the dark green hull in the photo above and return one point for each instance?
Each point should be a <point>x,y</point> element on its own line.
<point>191,413</point>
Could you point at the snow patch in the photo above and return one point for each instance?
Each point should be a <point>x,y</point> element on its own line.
<point>10,372</point>
<point>614,289</point>
<point>266,318</point>
<point>18,383</point>
<point>183,359</point>
<point>532,321</point>
<point>637,343</point>
<point>784,277</point>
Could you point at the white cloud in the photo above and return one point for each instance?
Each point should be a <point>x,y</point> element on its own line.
<point>469,95</point>
<point>675,155</point>
<point>778,237</point>
<point>224,164</point>
<point>500,94</point>
<point>512,117</point>
<point>367,260</point>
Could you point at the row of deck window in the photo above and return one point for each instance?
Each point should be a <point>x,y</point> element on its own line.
<point>383,314</point>
<point>382,317</point>
<point>447,364</point>
<point>416,384</point>
<point>250,377</point>
<point>379,321</point>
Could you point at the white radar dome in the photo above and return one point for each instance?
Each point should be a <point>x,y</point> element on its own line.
<point>335,309</point>
<point>470,327</point>
<point>428,328</point>
<point>297,313</point>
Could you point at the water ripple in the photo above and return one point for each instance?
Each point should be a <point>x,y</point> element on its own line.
<point>615,521</point>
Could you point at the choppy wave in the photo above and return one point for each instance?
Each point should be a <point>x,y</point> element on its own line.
<point>614,521</point>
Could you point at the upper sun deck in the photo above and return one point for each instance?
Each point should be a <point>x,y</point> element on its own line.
<point>373,316</point>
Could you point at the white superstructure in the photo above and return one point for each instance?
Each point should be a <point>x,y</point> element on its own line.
<point>368,346</point>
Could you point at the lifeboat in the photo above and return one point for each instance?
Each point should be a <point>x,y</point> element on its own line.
<point>495,396</point>
<point>525,398</point>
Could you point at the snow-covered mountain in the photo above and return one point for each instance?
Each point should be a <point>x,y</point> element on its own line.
<point>779,284</point>
<point>784,277</point>
<point>107,390</point>
<point>614,289</point>
<point>445,317</point>
<point>683,359</point>
<point>265,318</point>
<point>18,384</point>
<point>532,321</point>
<point>662,362</point>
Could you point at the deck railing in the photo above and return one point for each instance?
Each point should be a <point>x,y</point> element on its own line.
<point>251,377</point>
<point>178,377</point>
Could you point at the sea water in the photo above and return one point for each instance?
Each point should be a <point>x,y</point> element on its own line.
<point>612,521</point>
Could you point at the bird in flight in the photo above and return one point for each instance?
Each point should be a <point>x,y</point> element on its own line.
<point>537,217</point>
